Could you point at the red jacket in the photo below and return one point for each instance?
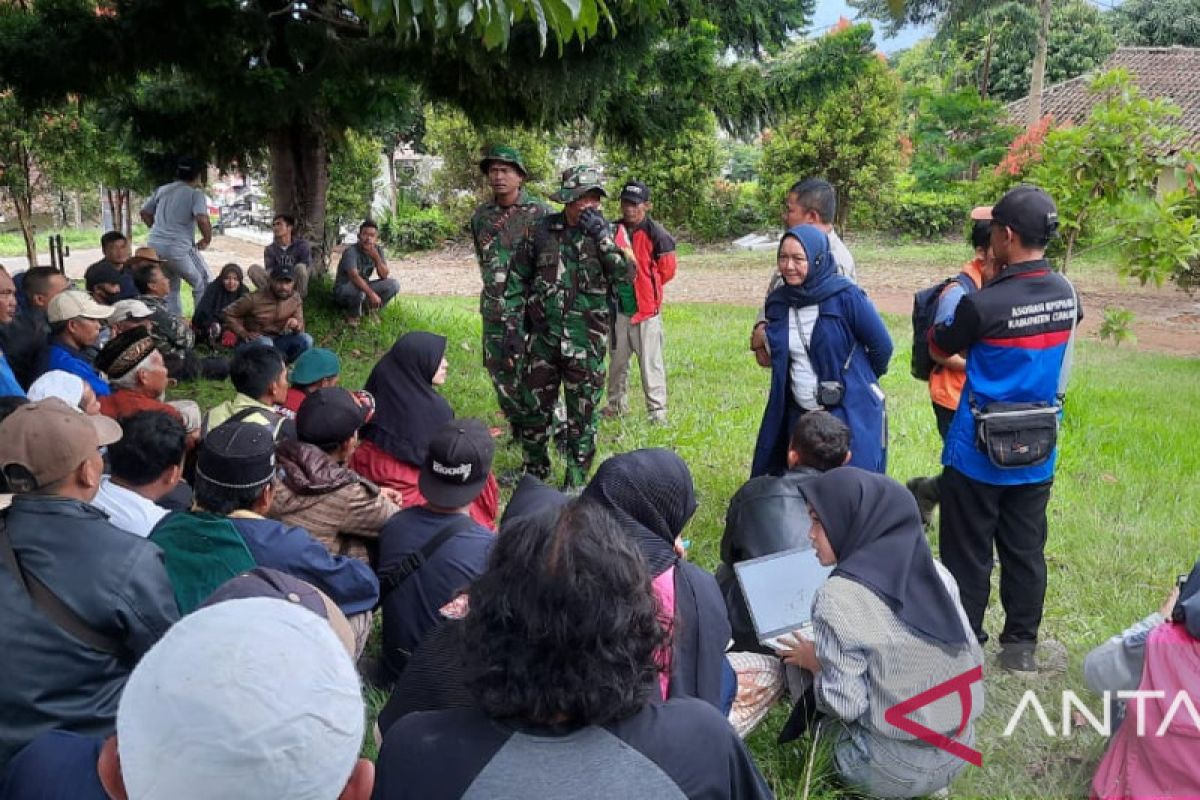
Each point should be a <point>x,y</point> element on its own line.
<point>655,252</point>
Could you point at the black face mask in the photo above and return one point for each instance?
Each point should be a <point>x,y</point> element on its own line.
<point>108,298</point>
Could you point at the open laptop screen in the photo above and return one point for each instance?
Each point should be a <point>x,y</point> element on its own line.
<point>779,590</point>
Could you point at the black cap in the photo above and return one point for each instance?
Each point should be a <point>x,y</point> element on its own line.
<point>237,455</point>
<point>329,416</point>
<point>124,352</point>
<point>283,272</point>
<point>1026,209</point>
<point>635,192</point>
<point>100,272</point>
<point>457,467</point>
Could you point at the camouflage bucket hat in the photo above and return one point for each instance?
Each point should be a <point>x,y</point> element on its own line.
<point>505,155</point>
<point>578,181</point>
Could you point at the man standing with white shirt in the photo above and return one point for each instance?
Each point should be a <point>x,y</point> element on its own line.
<point>146,464</point>
<point>174,212</point>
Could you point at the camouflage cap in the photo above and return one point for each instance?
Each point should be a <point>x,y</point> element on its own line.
<point>578,181</point>
<point>505,155</point>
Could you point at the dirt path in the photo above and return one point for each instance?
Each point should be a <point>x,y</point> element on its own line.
<point>1165,320</point>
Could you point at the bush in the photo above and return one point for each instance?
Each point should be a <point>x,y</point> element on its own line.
<point>928,215</point>
<point>412,228</point>
<point>848,137</point>
<point>726,211</point>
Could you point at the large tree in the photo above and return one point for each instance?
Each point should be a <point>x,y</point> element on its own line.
<point>223,78</point>
<point>895,14</point>
<point>1158,23</point>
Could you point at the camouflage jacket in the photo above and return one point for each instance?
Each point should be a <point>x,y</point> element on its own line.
<point>499,233</point>
<point>562,280</point>
<point>171,333</point>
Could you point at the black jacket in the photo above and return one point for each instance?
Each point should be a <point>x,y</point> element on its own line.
<point>25,341</point>
<point>767,515</point>
<point>114,580</point>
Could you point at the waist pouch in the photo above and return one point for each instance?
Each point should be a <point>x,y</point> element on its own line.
<point>1016,434</point>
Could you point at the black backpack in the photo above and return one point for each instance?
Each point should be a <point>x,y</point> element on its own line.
<point>925,303</point>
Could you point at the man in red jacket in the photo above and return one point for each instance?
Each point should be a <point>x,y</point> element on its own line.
<point>642,333</point>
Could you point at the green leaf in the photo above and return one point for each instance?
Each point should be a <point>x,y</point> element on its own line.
<point>588,19</point>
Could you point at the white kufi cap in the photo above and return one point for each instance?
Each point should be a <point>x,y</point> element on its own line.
<point>253,698</point>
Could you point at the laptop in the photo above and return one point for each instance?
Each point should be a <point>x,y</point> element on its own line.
<point>779,591</point>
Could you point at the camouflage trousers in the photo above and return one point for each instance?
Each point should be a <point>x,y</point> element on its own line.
<point>512,394</point>
<point>579,368</point>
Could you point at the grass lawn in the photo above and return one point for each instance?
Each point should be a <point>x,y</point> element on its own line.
<point>11,244</point>
<point>1123,519</point>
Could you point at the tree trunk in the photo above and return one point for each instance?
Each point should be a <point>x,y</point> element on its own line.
<point>985,73</point>
<point>1038,72</point>
<point>114,210</point>
<point>25,220</point>
<point>391,169</point>
<point>127,220</point>
<point>1066,263</point>
<point>21,192</point>
<point>300,182</point>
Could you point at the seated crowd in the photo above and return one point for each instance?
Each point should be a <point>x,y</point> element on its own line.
<point>190,594</point>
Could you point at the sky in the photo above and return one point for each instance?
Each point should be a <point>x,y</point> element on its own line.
<point>828,12</point>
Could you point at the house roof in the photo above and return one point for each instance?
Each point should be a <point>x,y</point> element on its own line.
<point>1170,72</point>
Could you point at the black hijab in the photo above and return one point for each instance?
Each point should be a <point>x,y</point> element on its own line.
<point>650,493</point>
<point>532,496</point>
<point>217,298</point>
<point>875,529</point>
<point>408,412</point>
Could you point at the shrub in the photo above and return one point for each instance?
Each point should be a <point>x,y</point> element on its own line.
<point>726,211</point>
<point>412,228</point>
<point>849,137</point>
<point>1117,325</point>
<point>928,215</point>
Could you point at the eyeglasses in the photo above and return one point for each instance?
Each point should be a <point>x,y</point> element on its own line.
<point>799,259</point>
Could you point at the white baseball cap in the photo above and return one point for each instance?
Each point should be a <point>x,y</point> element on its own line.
<point>125,310</point>
<point>73,303</point>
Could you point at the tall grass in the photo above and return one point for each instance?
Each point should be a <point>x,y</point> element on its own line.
<point>1123,518</point>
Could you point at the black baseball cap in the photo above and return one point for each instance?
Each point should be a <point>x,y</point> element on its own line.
<point>635,192</point>
<point>283,272</point>
<point>100,272</point>
<point>1026,209</point>
<point>329,416</point>
<point>237,455</point>
<point>457,467</point>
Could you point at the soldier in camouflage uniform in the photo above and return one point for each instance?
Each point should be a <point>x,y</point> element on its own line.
<point>500,228</point>
<point>561,282</point>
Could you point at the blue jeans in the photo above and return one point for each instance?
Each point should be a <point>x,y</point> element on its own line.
<point>892,768</point>
<point>289,345</point>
